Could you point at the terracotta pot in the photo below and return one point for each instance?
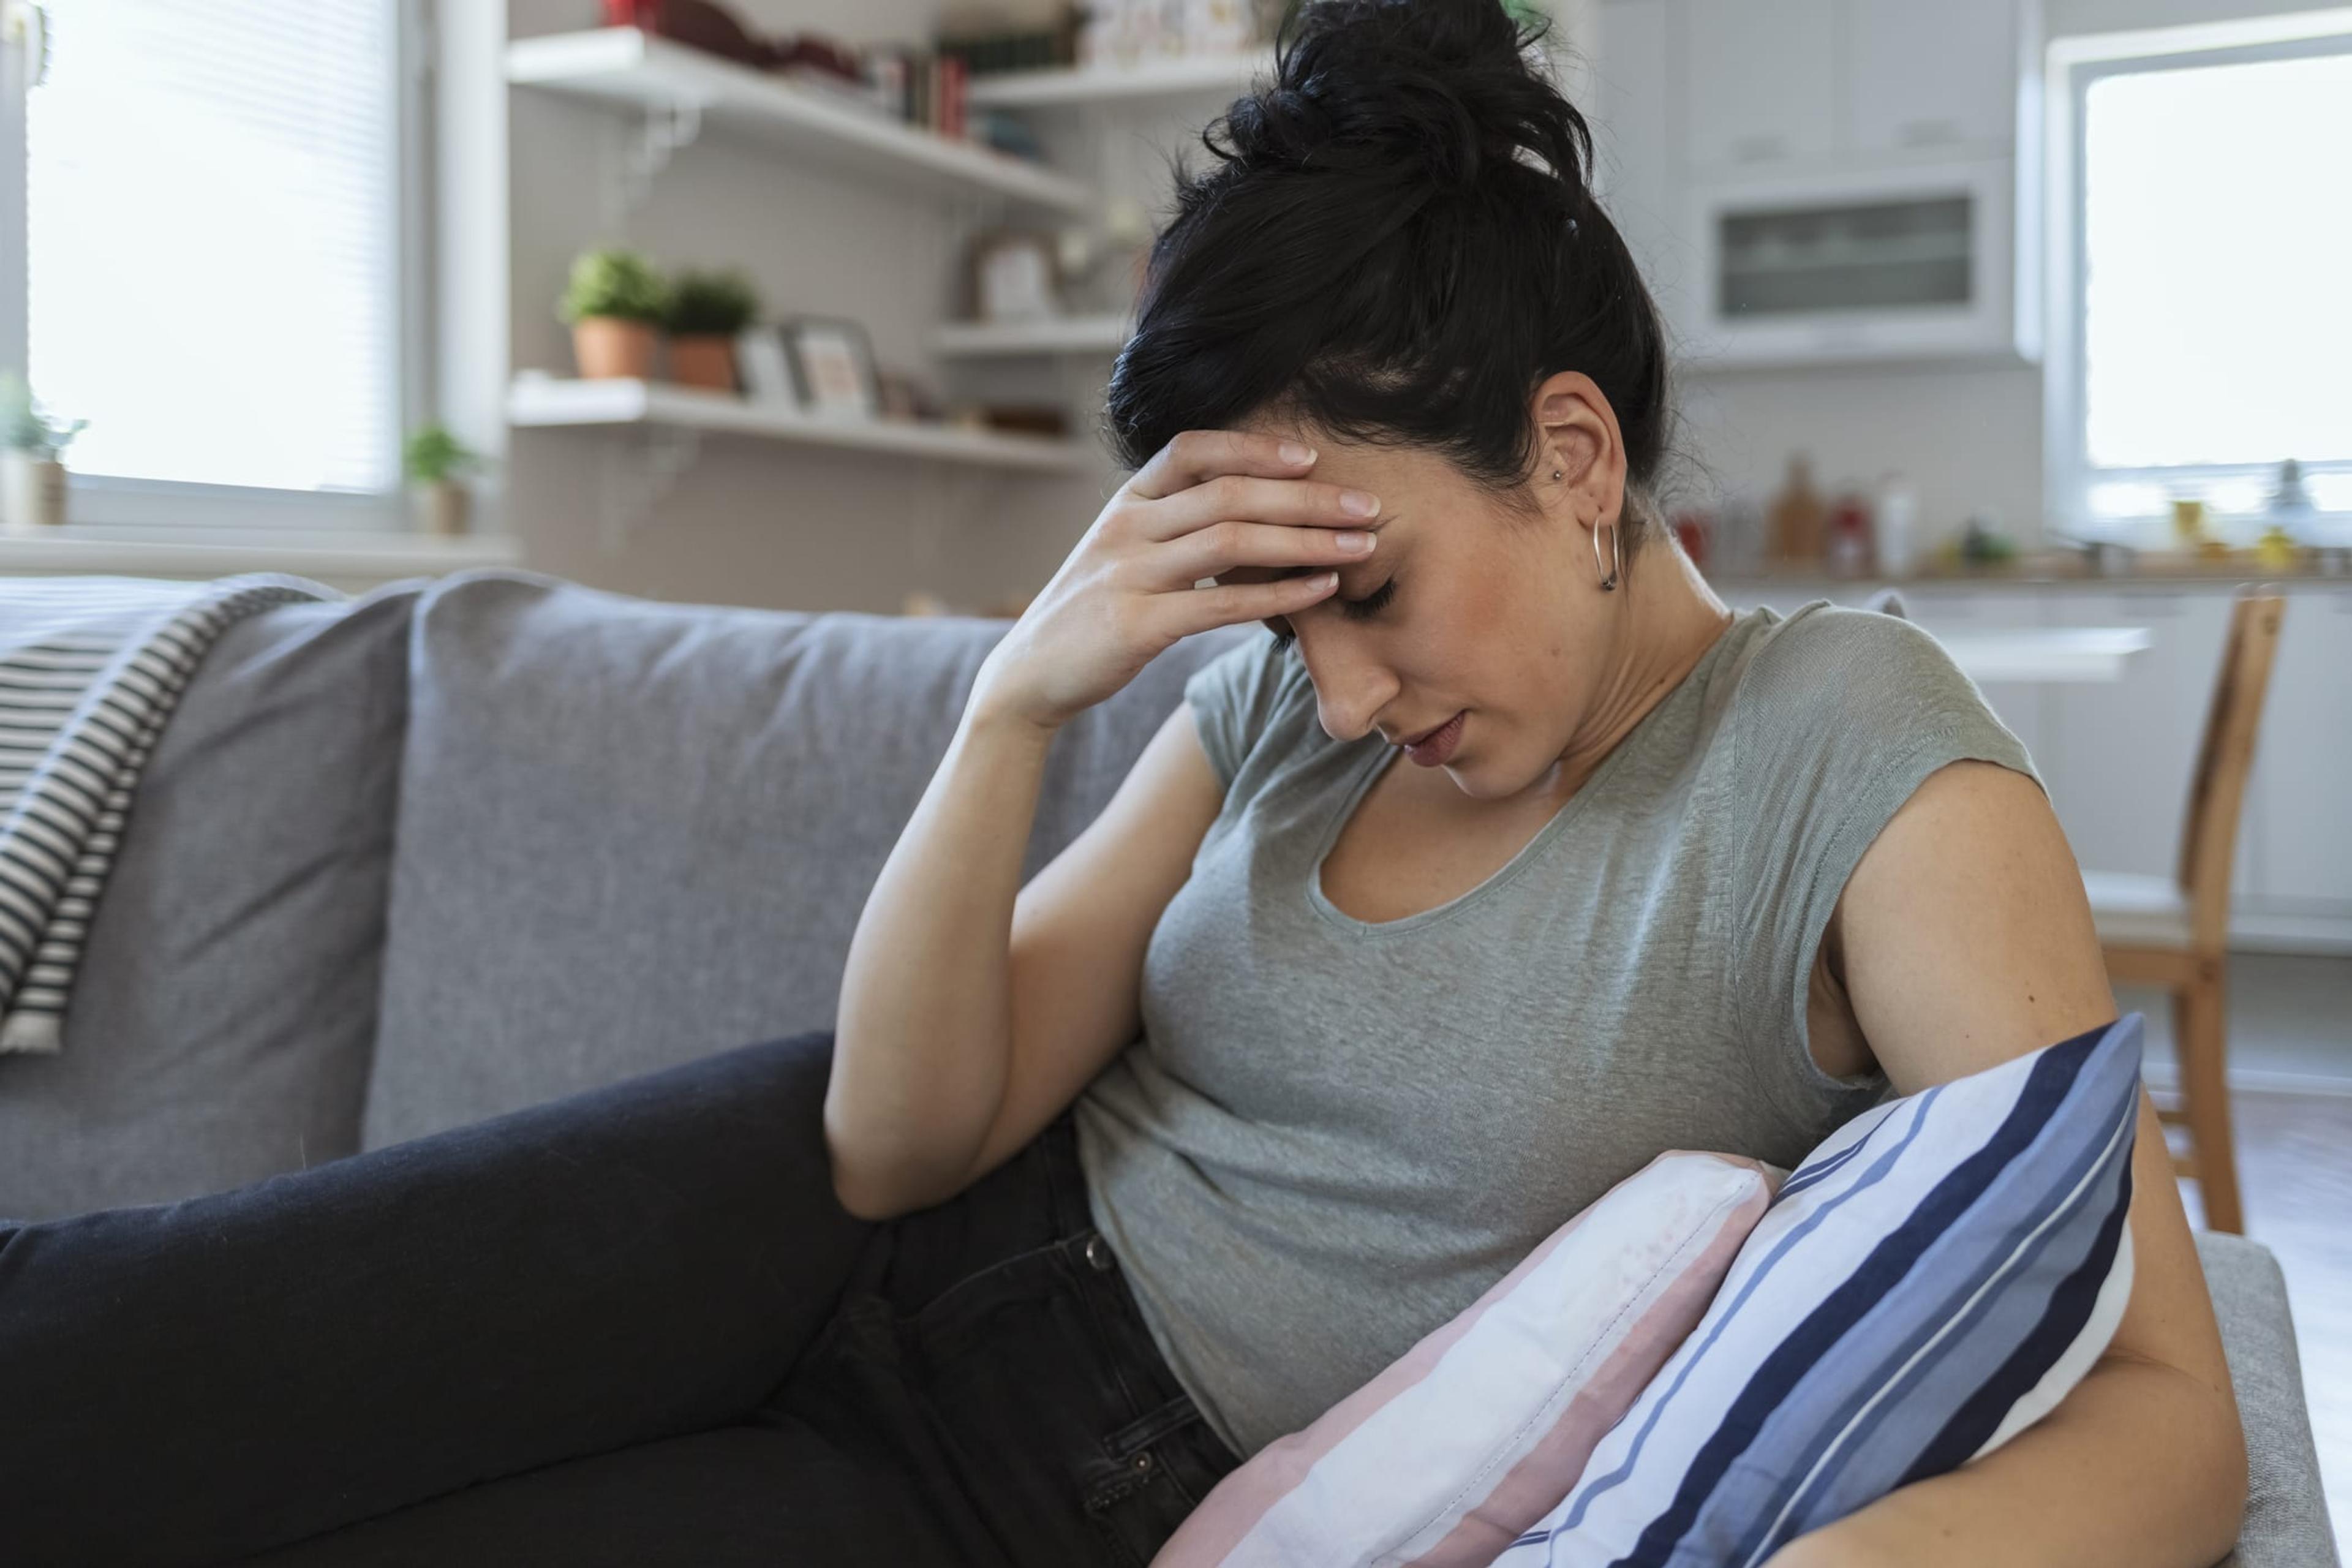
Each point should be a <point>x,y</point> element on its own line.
<point>442,507</point>
<point>703,359</point>
<point>32,493</point>
<point>609,346</point>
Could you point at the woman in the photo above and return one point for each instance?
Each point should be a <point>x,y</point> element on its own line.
<point>1105,1180</point>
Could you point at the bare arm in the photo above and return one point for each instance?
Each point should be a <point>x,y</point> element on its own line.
<point>972,1010</point>
<point>1024,997</point>
<point>1964,938</point>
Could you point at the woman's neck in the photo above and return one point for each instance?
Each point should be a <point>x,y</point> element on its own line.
<point>1667,617</point>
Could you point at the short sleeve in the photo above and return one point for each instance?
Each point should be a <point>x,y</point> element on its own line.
<point>1236,694</point>
<point>1843,715</point>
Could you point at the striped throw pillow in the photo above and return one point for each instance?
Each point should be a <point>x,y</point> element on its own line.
<point>1929,1281</point>
<point>1471,1435</point>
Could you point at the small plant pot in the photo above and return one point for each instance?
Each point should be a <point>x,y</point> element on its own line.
<point>611,346</point>
<point>32,492</point>
<point>443,507</point>
<point>703,359</point>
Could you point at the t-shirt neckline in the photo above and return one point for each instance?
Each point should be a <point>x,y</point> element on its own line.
<point>1379,756</point>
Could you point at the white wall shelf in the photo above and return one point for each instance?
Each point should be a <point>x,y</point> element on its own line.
<point>626,68</point>
<point>333,555</point>
<point>1001,340</point>
<point>540,401</point>
<point>1101,84</point>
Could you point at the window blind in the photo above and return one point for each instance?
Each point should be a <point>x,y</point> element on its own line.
<point>214,228</point>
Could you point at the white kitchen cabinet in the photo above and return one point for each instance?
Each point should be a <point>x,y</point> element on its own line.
<point>2122,751</point>
<point>1826,181</point>
<point>1932,76</point>
<point>2302,786</point>
<point>1762,80</point>
<point>1633,110</point>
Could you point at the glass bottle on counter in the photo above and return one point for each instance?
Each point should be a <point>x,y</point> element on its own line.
<point>1849,553</point>
<point>1895,526</point>
<point>1797,526</point>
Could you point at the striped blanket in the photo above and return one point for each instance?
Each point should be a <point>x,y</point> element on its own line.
<point>90,667</point>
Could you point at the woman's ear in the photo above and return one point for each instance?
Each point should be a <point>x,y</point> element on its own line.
<point>1579,438</point>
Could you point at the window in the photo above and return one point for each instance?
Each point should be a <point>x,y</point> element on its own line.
<point>2202,324</point>
<point>219,268</point>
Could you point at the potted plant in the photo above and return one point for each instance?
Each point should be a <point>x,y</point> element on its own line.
<point>32,472</point>
<point>614,303</point>
<point>707,311</point>
<point>433,458</point>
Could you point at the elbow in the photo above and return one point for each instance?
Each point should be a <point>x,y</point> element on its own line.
<point>859,1203</point>
<point>858,1192</point>
<point>867,1187</point>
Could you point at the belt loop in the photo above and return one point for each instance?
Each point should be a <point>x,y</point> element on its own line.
<point>1066,1178</point>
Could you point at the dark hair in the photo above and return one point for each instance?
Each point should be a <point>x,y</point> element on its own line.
<point>1396,243</point>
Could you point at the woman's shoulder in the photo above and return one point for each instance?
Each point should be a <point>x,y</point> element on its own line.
<point>1826,673</point>
<point>1830,700</point>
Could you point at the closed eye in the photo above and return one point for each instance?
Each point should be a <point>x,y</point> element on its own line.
<point>1370,605</point>
<point>1362,609</point>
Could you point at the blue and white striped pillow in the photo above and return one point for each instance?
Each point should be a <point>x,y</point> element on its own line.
<point>1930,1281</point>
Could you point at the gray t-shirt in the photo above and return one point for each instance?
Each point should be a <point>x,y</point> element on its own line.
<point>1333,1135</point>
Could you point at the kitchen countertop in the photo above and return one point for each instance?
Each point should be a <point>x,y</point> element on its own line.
<point>2156,573</point>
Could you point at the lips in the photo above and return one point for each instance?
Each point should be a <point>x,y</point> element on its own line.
<point>1425,734</point>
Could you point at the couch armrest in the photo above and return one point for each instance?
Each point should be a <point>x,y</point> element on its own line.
<point>2286,1514</point>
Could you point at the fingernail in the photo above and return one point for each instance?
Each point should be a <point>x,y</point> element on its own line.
<point>1358,502</point>
<point>1354,538</point>
<point>1292,452</point>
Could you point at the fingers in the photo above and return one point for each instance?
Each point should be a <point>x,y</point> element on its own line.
<point>1199,610</point>
<point>1222,546</point>
<point>1198,455</point>
<point>1246,497</point>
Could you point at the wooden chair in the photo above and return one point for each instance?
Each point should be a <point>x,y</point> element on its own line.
<point>2173,932</point>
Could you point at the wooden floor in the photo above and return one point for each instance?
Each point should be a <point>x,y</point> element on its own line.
<point>2291,1066</point>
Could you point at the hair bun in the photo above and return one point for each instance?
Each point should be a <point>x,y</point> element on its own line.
<point>1425,91</point>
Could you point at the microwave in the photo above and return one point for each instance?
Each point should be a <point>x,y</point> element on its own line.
<point>1920,261</point>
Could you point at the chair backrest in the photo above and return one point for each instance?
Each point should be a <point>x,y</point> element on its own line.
<point>2225,755</point>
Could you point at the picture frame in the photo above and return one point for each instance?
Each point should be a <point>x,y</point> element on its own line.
<point>1015,275</point>
<point>833,367</point>
<point>763,365</point>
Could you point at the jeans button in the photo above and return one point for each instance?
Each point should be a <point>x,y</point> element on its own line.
<point>1098,1252</point>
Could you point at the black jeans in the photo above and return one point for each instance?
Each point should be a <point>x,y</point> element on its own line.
<point>629,1326</point>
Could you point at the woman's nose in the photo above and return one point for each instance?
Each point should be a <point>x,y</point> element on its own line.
<point>1347,700</point>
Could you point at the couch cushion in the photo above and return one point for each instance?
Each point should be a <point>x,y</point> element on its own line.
<point>632,833</point>
<point>2286,1507</point>
<point>220,1024</point>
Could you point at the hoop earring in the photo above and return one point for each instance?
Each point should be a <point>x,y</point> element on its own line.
<point>1609,573</point>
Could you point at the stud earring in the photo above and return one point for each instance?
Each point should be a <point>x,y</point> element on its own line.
<point>1555,473</point>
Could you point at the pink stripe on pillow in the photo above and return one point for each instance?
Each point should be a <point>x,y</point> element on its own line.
<point>1284,1463</point>
<point>1534,1487</point>
<point>1468,1431</point>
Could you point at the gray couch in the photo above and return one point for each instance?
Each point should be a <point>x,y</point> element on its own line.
<point>450,848</point>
